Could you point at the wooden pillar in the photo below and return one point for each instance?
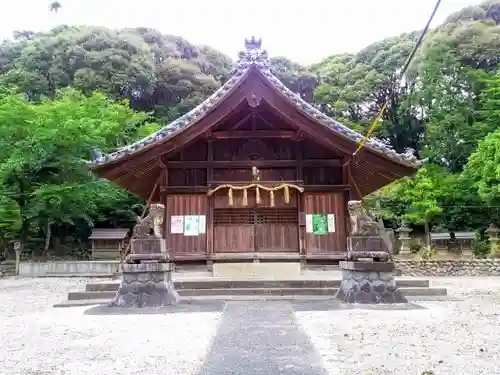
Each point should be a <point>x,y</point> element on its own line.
<point>210,203</point>
<point>164,201</point>
<point>346,180</point>
<point>300,197</point>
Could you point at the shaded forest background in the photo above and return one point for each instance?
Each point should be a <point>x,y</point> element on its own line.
<point>73,88</point>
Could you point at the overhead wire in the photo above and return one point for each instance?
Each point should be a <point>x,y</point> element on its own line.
<point>401,74</point>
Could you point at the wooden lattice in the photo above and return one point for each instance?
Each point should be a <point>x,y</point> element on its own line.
<point>239,216</point>
<point>277,216</point>
<point>234,216</point>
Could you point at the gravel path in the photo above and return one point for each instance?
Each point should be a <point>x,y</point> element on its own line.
<point>36,339</point>
<point>448,338</point>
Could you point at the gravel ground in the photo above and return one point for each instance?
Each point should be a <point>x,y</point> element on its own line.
<point>448,338</point>
<point>36,339</point>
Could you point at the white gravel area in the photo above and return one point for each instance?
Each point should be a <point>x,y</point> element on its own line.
<point>37,339</point>
<point>448,338</point>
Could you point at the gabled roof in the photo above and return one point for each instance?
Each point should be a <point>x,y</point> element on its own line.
<point>252,58</point>
<point>109,233</point>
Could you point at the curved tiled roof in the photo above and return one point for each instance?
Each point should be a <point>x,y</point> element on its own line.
<point>254,57</point>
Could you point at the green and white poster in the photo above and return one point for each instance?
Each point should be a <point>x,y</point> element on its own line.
<point>320,224</point>
<point>191,226</point>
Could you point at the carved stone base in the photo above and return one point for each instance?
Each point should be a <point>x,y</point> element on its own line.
<point>368,283</point>
<point>146,285</point>
<point>377,256</point>
<point>148,245</point>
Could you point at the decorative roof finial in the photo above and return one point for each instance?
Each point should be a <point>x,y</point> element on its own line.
<point>253,44</point>
<point>252,55</point>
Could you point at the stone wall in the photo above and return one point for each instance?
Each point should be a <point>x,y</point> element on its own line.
<point>69,269</point>
<point>473,267</point>
<point>7,269</point>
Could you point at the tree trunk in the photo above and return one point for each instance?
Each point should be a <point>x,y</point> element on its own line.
<point>48,235</point>
<point>427,234</point>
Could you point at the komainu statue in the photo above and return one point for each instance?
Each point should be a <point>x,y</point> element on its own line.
<point>362,223</point>
<point>368,237</point>
<point>152,222</point>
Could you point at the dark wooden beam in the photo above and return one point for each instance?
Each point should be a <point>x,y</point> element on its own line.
<point>247,134</point>
<point>326,188</point>
<point>185,189</point>
<point>241,122</point>
<point>254,163</point>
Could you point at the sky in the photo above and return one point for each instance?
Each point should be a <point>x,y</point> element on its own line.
<point>304,31</point>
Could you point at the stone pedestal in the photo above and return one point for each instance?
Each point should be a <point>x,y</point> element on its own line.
<point>361,247</point>
<point>146,285</point>
<point>368,283</point>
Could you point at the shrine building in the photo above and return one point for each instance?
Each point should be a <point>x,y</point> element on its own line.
<point>254,172</point>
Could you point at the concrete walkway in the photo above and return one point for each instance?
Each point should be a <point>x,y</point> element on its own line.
<point>261,338</point>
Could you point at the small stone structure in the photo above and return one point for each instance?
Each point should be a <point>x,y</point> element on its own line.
<point>368,282</point>
<point>147,273</point>
<point>404,239</point>
<point>492,233</point>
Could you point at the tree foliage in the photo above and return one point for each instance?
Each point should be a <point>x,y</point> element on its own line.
<point>73,88</point>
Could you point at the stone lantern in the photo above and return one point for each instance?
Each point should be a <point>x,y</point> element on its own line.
<point>492,233</point>
<point>404,238</point>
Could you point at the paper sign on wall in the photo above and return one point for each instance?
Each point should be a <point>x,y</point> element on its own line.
<point>177,224</point>
<point>191,225</point>
<point>320,224</point>
<point>331,223</point>
<point>309,223</point>
<point>202,224</point>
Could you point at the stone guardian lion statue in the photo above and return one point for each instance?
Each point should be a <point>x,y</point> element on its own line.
<point>361,221</point>
<point>153,221</point>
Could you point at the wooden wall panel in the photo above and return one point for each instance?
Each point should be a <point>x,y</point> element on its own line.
<point>234,230</point>
<point>326,203</point>
<point>277,230</point>
<point>178,245</point>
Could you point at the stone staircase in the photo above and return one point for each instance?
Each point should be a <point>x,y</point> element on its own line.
<point>213,288</point>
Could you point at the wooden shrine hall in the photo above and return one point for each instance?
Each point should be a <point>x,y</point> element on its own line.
<point>254,172</point>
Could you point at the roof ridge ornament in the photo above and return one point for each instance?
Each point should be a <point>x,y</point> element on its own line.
<point>253,55</point>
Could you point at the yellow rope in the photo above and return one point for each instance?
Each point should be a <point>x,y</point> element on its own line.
<point>258,186</point>
<point>372,128</point>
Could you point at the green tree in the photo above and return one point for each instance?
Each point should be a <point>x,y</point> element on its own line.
<point>43,151</point>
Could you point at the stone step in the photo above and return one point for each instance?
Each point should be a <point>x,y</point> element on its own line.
<point>248,284</point>
<point>407,291</point>
<point>223,298</point>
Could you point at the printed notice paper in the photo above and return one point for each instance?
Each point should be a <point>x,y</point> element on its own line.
<point>202,224</point>
<point>331,223</point>
<point>191,225</point>
<point>320,224</point>
<point>309,223</point>
<point>177,224</point>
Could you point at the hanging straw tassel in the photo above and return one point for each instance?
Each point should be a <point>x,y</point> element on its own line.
<point>286,191</point>
<point>245,197</point>
<point>257,195</point>
<point>230,196</point>
<point>271,195</point>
